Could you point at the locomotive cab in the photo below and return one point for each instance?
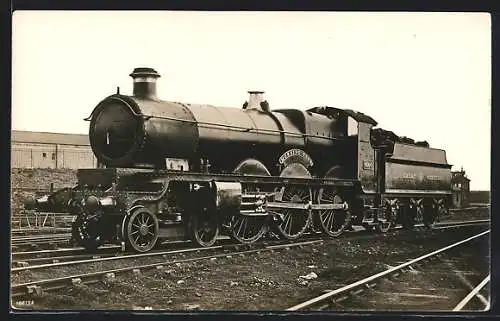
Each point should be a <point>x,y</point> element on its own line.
<point>358,156</point>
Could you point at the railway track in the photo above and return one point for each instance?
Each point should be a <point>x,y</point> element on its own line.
<point>39,241</point>
<point>50,284</point>
<point>95,258</point>
<point>40,286</point>
<point>31,260</point>
<point>37,231</point>
<point>474,293</point>
<point>476,207</point>
<point>69,251</point>
<point>42,237</point>
<point>364,291</point>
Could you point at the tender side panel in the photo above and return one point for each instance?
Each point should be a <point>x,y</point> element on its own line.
<point>419,154</point>
<point>411,178</point>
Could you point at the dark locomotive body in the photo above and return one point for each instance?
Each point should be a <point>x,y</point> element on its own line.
<point>175,170</point>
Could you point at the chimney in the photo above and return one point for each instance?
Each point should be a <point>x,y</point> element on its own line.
<point>256,101</point>
<point>145,82</point>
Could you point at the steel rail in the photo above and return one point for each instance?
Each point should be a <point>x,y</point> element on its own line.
<point>365,281</point>
<point>472,294</point>
<point>61,250</point>
<point>37,243</point>
<point>114,258</point>
<point>460,224</point>
<point>266,247</point>
<point>16,255</point>
<point>40,237</point>
<point>56,259</point>
<point>39,230</point>
<point>469,208</point>
<point>56,283</point>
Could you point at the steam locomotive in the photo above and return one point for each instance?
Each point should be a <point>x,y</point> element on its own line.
<point>172,170</point>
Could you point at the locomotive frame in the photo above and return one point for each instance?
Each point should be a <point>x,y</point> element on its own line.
<point>221,197</point>
<point>167,175</point>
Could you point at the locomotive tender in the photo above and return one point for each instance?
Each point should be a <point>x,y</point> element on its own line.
<point>171,170</point>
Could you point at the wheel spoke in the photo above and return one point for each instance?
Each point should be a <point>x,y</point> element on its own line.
<point>328,221</point>
<point>331,220</point>
<point>237,222</point>
<point>245,222</point>
<point>241,225</point>
<point>142,221</point>
<point>291,225</point>
<point>287,221</point>
<point>325,217</point>
<point>328,200</point>
<point>294,221</point>
<point>239,229</point>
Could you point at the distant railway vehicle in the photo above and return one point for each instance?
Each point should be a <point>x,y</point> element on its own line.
<point>177,170</point>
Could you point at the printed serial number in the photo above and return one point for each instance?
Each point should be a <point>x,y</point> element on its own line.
<point>24,303</point>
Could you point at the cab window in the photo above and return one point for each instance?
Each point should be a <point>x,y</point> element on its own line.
<point>352,127</point>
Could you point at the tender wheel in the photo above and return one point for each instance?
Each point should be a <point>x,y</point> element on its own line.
<point>409,216</point>
<point>430,215</point>
<point>293,222</point>
<point>390,214</point>
<point>442,209</point>
<point>85,231</point>
<point>204,229</point>
<point>142,230</point>
<point>332,222</point>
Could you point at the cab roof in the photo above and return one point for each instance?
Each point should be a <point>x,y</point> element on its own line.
<point>332,111</point>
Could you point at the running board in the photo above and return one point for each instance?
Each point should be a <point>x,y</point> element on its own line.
<point>301,206</point>
<point>270,206</point>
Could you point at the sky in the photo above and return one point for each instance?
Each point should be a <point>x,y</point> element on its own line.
<point>422,75</point>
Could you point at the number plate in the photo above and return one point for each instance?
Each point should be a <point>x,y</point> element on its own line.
<point>177,164</point>
<point>367,165</point>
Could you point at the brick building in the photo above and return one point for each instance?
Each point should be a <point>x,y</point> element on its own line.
<point>460,189</point>
<point>50,150</point>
